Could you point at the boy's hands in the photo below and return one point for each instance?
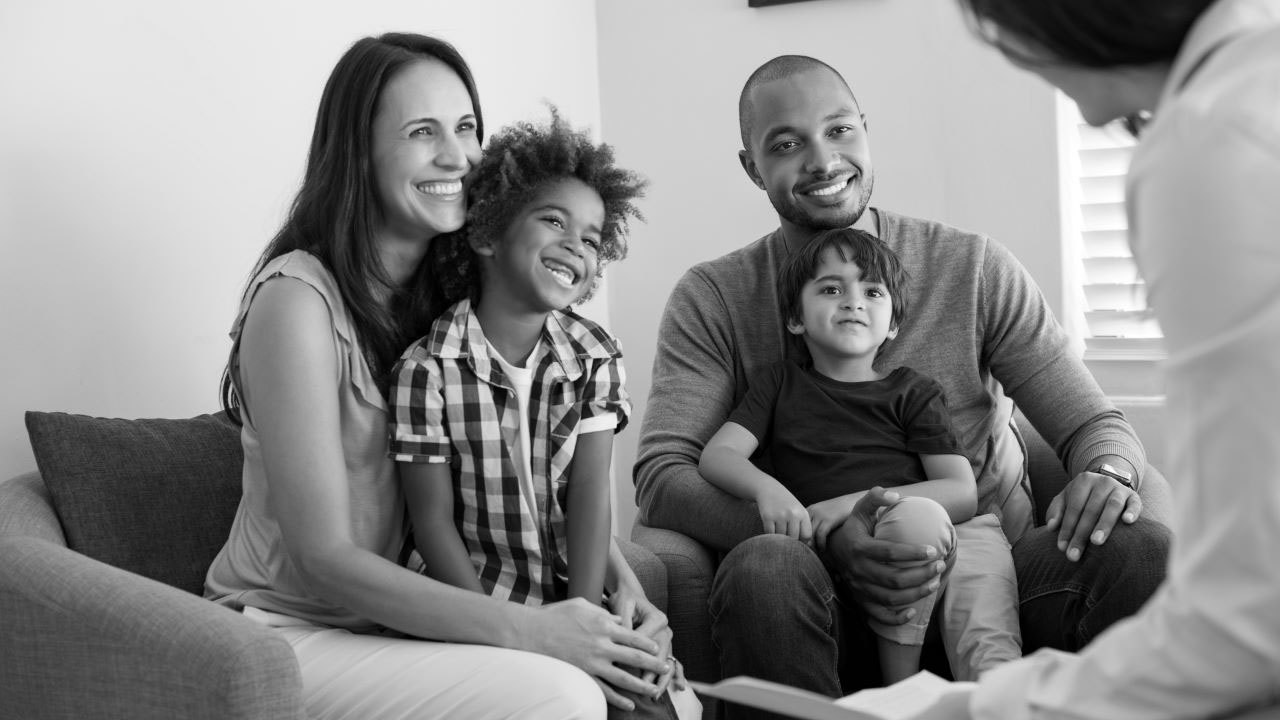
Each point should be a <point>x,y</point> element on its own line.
<point>783,514</point>
<point>828,515</point>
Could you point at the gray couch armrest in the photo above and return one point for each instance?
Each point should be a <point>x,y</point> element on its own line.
<point>649,570</point>
<point>690,570</point>
<point>84,639</point>
<point>26,509</point>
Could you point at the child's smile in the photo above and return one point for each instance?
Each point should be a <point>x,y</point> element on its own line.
<point>566,275</point>
<point>548,257</point>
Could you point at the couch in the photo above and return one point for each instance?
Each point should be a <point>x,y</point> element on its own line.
<point>103,552</point>
<point>691,565</point>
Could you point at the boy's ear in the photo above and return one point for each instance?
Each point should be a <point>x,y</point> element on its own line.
<point>795,327</point>
<point>480,246</point>
<point>749,165</point>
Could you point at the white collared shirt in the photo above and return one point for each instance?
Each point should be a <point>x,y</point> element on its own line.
<point>1204,206</point>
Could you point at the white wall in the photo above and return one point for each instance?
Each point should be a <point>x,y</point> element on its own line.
<point>149,149</point>
<point>956,136</point>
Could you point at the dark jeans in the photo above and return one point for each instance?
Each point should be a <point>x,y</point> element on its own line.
<point>776,615</point>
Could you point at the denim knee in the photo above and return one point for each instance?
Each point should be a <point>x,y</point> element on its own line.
<point>769,571</point>
<point>775,616</point>
<point>1065,604</point>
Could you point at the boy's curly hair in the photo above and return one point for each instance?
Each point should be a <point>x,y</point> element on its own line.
<point>519,161</point>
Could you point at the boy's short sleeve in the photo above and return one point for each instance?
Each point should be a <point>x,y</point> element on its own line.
<point>755,412</point>
<point>417,429</point>
<point>928,422</point>
<point>605,402</point>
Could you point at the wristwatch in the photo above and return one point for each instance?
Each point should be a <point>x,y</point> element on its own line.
<point>1123,476</point>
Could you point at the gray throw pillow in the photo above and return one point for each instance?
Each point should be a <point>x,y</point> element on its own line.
<point>155,497</point>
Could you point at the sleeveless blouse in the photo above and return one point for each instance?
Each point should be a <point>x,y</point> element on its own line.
<point>253,569</point>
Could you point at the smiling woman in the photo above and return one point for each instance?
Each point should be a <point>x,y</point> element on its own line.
<point>314,548</point>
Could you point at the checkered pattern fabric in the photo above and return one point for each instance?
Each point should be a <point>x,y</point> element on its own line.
<point>452,402</point>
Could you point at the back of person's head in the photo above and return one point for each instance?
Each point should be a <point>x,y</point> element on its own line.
<point>336,211</point>
<point>781,67</point>
<point>518,163</point>
<point>1086,33</point>
<point>875,259</point>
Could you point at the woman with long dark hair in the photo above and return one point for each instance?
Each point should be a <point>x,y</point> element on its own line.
<point>314,549</point>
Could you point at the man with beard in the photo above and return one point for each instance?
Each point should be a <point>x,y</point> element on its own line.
<point>979,325</point>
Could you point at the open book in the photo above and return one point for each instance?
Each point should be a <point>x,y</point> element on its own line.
<point>923,696</point>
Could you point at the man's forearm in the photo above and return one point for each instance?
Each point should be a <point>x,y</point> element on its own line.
<point>1108,438</point>
<point>673,496</point>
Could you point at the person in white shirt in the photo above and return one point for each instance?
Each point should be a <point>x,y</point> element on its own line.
<point>1203,197</point>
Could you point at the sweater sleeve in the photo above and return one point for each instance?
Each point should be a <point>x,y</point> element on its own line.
<point>1028,352</point>
<point>692,395</point>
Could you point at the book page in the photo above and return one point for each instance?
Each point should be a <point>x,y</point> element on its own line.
<point>778,698</point>
<point>923,696</point>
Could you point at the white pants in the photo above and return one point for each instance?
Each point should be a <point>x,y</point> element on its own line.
<point>980,627</point>
<point>371,677</point>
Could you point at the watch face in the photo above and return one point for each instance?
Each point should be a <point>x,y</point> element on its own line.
<point>1125,478</point>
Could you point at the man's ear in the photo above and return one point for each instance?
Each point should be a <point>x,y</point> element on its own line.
<point>480,246</point>
<point>795,327</point>
<point>749,166</point>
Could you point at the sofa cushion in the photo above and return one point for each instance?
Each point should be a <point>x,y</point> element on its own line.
<point>155,497</point>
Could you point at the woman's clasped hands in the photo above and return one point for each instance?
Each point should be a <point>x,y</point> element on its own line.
<point>628,649</point>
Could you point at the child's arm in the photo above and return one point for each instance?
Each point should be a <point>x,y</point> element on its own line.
<point>428,491</point>
<point>950,483</point>
<point>587,515</point>
<point>726,463</point>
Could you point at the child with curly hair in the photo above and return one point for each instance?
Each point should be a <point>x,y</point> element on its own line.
<point>505,411</point>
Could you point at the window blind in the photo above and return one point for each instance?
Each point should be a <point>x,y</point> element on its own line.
<point>1114,296</point>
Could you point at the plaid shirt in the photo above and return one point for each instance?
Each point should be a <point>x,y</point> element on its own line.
<point>452,402</point>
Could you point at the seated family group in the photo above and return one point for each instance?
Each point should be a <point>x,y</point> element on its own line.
<point>428,426</point>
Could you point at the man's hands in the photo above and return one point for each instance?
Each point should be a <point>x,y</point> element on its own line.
<point>867,566</point>
<point>1087,509</point>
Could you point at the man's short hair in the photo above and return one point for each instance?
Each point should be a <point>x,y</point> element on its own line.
<point>783,66</point>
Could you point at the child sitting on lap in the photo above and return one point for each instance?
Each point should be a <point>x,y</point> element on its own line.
<point>837,427</point>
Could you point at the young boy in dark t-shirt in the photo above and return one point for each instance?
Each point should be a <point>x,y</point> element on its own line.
<point>836,427</point>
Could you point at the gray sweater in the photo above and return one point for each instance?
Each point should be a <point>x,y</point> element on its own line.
<point>975,321</point>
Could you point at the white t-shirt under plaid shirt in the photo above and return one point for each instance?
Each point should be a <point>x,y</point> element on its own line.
<point>453,402</point>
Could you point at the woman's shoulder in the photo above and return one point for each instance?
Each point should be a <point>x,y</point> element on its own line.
<point>300,265</point>
<point>313,288</point>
